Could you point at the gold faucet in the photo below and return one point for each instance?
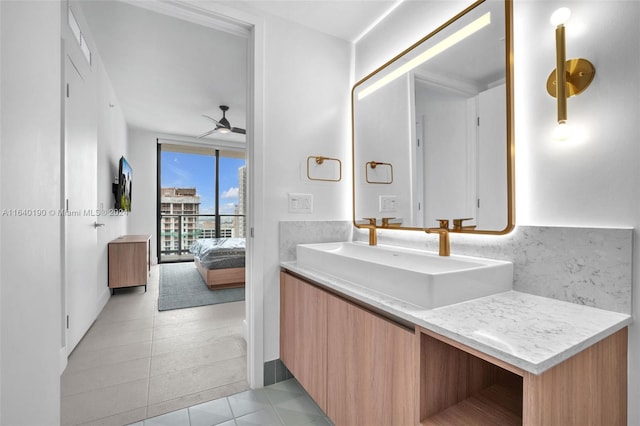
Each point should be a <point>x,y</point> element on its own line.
<point>443,232</point>
<point>371,226</point>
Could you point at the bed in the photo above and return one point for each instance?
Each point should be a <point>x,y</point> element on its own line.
<point>220,261</point>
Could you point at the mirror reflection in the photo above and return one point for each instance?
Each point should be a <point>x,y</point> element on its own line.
<point>440,115</point>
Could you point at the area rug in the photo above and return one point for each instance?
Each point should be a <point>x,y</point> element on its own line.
<point>182,286</point>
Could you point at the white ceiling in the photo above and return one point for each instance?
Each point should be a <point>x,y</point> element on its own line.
<point>167,72</point>
<point>345,19</point>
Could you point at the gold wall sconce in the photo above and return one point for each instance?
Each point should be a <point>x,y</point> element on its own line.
<point>381,173</point>
<point>329,175</point>
<point>571,77</point>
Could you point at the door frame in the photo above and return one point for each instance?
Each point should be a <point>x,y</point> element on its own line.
<point>70,54</point>
<point>237,22</point>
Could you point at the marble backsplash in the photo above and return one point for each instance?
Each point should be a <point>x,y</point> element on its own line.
<point>293,233</point>
<point>587,266</point>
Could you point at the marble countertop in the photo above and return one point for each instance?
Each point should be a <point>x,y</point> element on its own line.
<point>531,332</point>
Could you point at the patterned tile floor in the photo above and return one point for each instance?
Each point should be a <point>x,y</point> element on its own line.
<point>284,403</point>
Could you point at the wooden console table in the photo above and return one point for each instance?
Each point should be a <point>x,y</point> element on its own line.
<point>129,261</point>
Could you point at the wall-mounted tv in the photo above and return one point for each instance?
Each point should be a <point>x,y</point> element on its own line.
<point>123,190</point>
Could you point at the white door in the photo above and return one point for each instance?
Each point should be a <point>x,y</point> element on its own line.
<point>80,182</point>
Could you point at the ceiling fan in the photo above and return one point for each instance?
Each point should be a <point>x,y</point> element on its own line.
<point>222,125</point>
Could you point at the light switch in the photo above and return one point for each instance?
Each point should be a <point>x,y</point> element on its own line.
<point>300,203</point>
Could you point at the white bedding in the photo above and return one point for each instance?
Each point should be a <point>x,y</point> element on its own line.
<point>219,253</point>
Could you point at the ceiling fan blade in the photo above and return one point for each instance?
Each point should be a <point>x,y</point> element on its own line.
<point>223,126</point>
<point>206,133</point>
<point>212,119</point>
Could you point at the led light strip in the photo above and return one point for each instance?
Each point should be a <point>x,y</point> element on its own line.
<point>377,21</point>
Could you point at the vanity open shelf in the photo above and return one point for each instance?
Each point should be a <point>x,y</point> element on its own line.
<point>460,385</point>
<point>495,405</point>
<point>457,387</point>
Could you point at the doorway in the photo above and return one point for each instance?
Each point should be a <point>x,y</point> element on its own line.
<point>237,22</point>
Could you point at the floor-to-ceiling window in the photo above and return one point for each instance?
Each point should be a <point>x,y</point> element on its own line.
<point>201,194</point>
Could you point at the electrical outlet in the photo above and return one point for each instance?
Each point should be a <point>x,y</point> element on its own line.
<point>300,203</point>
<point>388,203</point>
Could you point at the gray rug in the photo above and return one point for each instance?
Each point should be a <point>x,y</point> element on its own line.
<point>181,286</point>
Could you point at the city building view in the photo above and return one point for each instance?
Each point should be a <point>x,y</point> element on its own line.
<point>185,218</point>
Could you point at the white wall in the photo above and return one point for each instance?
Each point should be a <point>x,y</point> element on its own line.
<point>142,156</point>
<point>594,182</point>
<point>30,164</point>
<point>306,105</point>
<point>112,144</point>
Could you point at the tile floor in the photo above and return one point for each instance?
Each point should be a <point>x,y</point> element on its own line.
<point>284,403</point>
<point>136,363</point>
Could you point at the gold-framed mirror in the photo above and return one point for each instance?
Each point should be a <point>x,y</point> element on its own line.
<point>441,114</point>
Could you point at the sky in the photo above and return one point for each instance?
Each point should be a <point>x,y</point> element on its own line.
<point>183,170</point>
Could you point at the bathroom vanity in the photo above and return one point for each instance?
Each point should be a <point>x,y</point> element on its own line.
<point>506,358</point>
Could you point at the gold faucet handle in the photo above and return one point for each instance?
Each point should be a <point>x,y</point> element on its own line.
<point>372,220</point>
<point>457,224</point>
<point>386,221</point>
<point>444,223</point>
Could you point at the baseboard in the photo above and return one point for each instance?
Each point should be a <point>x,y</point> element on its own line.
<point>102,301</point>
<point>275,371</point>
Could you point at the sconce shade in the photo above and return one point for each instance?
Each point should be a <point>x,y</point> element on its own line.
<point>560,16</point>
<point>562,131</point>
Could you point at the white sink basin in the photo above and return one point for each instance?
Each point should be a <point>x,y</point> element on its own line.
<point>415,276</point>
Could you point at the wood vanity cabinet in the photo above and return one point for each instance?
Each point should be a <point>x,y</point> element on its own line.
<point>370,368</point>
<point>303,335</point>
<point>357,366</point>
